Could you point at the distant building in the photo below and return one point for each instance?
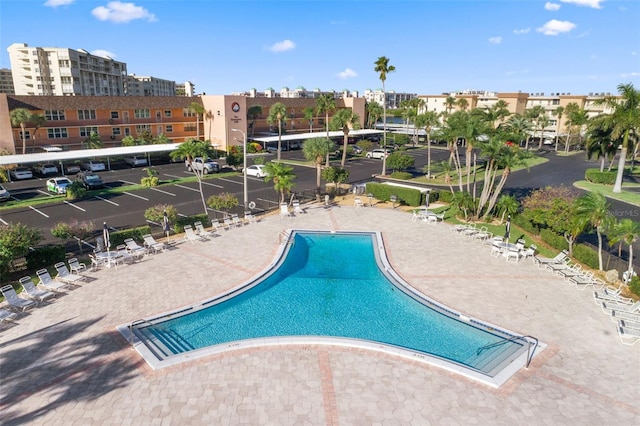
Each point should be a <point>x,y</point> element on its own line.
<point>298,92</point>
<point>149,86</point>
<point>185,89</point>
<point>391,98</point>
<point>6,81</point>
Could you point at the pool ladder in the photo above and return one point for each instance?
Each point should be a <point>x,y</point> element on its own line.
<point>513,339</point>
<point>133,324</point>
<point>283,238</point>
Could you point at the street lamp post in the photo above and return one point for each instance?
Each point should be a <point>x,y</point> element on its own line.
<point>244,167</point>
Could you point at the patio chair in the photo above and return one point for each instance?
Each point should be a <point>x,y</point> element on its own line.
<point>15,301</point>
<point>357,202</point>
<point>152,244</point>
<point>65,275</point>
<point>249,217</point>
<point>6,315</point>
<point>227,223</point>
<point>75,266</point>
<point>628,336</point>
<point>236,220</point>
<point>34,292</point>
<point>297,209</point>
<point>513,254</point>
<point>544,261</point>
<point>529,251</point>
<point>284,210</point>
<point>481,235</point>
<point>190,235</point>
<point>96,263</point>
<point>201,231</point>
<point>49,283</point>
<point>134,248</point>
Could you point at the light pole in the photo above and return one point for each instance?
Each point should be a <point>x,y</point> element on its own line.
<point>244,167</point>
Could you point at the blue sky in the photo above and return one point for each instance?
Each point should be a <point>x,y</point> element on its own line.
<point>575,46</point>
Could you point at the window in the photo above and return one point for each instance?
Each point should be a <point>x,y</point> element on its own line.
<point>57,133</point>
<point>142,113</point>
<point>54,115</point>
<point>86,114</point>
<point>27,134</point>
<point>127,131</point>
<point>190,127</point>
<point>85,132</point>
<point>167,113</point>
<point>555,102</point>
<point>142,127</point>
<point>188,112</point>
<point>115,115</point>
<point>169,129</point>
<point>115,131</point>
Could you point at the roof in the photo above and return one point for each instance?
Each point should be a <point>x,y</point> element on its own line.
<point>51,157</point>
<point>98,102</point>
<point>303,136</point>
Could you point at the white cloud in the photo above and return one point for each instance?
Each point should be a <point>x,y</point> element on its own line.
<point>631,74</point>
<point>104,53</point>
<point>495,40</point>
<point>551,6</point>
<point>589,3</point>
<point>555,27</point>
<point>282,46</point>
<point>522,31</point>
<point>634,53</point>
<point>121,13</point>
<point>56,3</point>
<point>348,73</point>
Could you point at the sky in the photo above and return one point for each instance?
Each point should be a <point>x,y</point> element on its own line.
<point>436,46</point>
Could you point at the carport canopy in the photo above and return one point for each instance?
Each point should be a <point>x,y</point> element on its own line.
<point>304,136</point>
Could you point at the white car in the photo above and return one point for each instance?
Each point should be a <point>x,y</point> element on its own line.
<point>257,170</point>
<point>58,185</point>
<point>93,166</point>
<point>378,153</point>
<point>134,161</point>
<point>21,173</point>
<point>4,194</point>
<point>46,169</point>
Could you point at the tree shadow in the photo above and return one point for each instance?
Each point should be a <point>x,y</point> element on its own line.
<point>46,361</point>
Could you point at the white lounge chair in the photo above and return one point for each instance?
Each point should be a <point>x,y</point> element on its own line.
<point>203,232</point>
<point>628,336</point>
<point>544,261</point>
<point>555,267</point>
<point>14,300</point>
<point>513,254</point>
<point>608,294</point>
<point>6,315</point>
<point>236,220</point>
<point>573,270</point>
<point>49,283</point>
<point>529,251</point>
<point>76,266</point>
<point>284,210</point>
<point>249,217</point>
<point>297,209</point>
<point>134,248</point>
<point>630,316</point>
<point>33,291</point>
<point>357,202</point>
<point>65,275</point>
<point>608,307</point>
<point>152,244</point>
<point>190,235</point>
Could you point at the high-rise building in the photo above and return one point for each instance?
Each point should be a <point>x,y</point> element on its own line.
<point>6,81</point>
<point>52,71</point>
<point>185,89</point>
<point>392,98</point>
<point>149,86</point>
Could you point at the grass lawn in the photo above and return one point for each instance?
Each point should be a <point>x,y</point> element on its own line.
<point>607,191</point>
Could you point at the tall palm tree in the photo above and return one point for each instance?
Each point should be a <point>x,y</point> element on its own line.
<point>599,144</point>
<point>383,68</point>
<point>190,150</point>
<point>309,113</point>
<point>282,177</point>
<point>507,205</point>
<point>623,120</point>
<point>374,112</point>
<point>278,114</point>
<point>593,208</point>
<point>253,113</point>
<point>20,117</point>
<point>428,121</point>
<point>450,103</point>
<point>462,103</point>
<point>316,150</point>
<point>519,125</point>
<point>558,112</point>
<point>199,110</point>
<point>542,123</point>
<point>93,141</point>
<point>324,105</point>
<point>570,110</point>
<point>345,120</point>
<point>38,121</point>
<point>627,231</point>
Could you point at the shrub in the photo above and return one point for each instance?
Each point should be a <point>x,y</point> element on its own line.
<point>400,161</point>
<point>118,237</point>
<point>554,240</point>
<point>75,191</point>
<point>401,175</point>
<point>156,213</point>
<point>596,176</point>
<point>441,195</point>
<point>190,220</point>
<point>45,256</point>
<point>523,222</point>
<point>586,255</point>
<point>634,285</point>
<point>222,201</point>
<point>408,196</point>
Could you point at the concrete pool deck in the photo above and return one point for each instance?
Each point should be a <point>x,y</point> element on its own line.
<point>65,363</point>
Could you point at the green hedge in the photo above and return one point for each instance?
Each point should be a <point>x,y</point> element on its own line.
<point>524,223</point>
<point>634,285</point>
<point>408,196</point>
<point>190,220</point>
<point>45,256</point>
<point>401,175</point>
<point>586,255</point>
<point>442,195</point>
<point>118,237</point>
<point>596,176</point>
<point>554,240</point>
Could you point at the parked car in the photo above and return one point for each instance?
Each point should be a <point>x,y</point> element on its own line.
<point>135,161</point>
<point>4,194</point>
<point>72,168</point>
<point>46,169</point>
<point>21,173</point>
<point>89,180</point>
<point>274,148</point>
<point>58,185</point>
<point>356,149</point>
<point>93,166</point>
<point>207,166</point>
<point>378,154</point>
<point>257,170</point>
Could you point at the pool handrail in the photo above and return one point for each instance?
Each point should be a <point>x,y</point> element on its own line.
<point>511,339</point>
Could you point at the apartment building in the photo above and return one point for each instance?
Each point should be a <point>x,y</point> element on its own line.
<point>185,89</point>
<point>298,92</point>
<point>138,85</point>
<point>392,98</point>
<point>6,81</point>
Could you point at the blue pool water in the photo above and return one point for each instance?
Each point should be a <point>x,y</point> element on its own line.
<point>332,285</point>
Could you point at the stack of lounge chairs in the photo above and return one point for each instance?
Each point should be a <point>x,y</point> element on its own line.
<point>623,311</point>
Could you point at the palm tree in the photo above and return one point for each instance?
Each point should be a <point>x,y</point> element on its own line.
<point>542,123</point>
<point>450,104</point>
<point>626,231</point>
<point>316,150</point>
<point>38,121</point>
<point>593,208</point>
<point>93,141</point>
<point>570,110</point>
<point>519,125</point>
<point>623,120</point>
<point>558,112</point>
<point>309,113</point>
<point>199,110</point>
<point>253,113</point>
<point>278,114</point>
<point>428,120</point>
<point>282,177</point>
<point>383,68</point>
<point>325,104</point>
<point>374,112</point>
<point>345,120</point>
<point>600,144</point>
<point>20,117</point>
<point>462,103</point>
<point>507,205</point>
<point>189,151</point>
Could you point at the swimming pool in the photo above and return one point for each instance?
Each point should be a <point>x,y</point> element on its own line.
<point>335,288</point>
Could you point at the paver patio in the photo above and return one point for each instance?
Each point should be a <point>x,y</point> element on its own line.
<point>64,363</point>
